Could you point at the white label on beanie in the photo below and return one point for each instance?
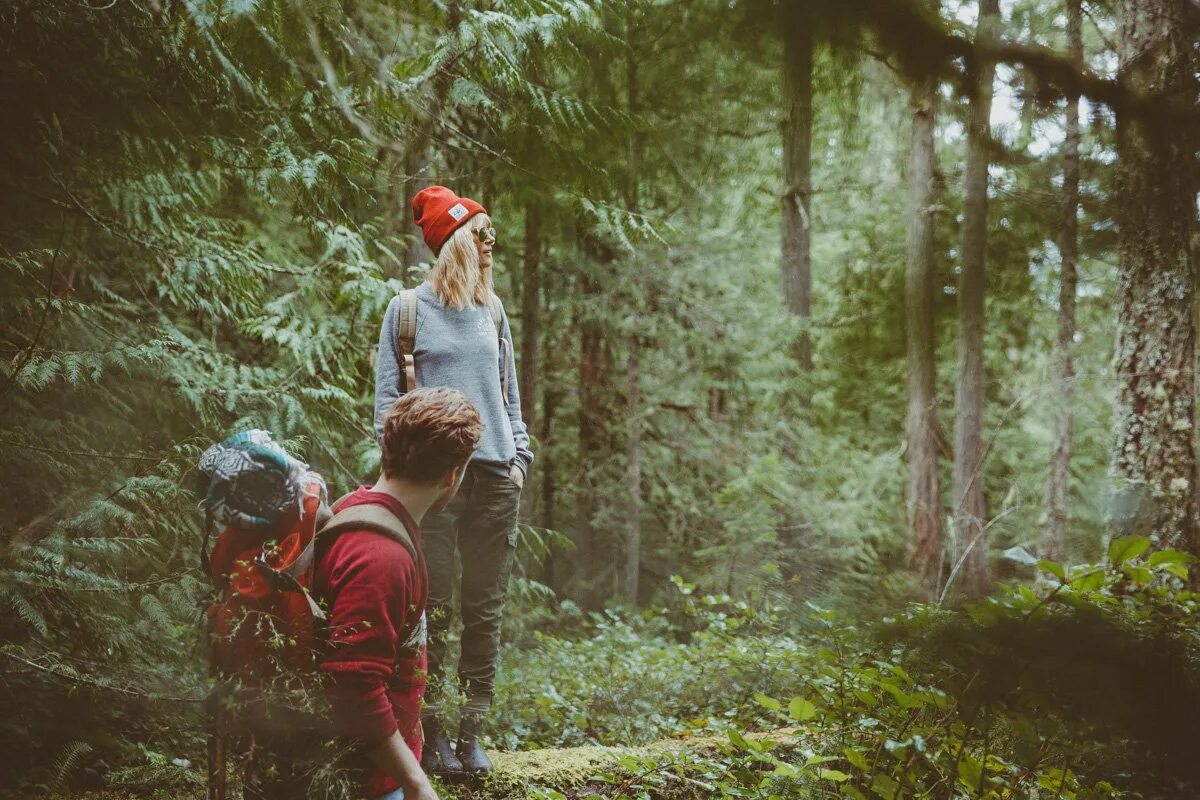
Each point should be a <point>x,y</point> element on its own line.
<point>458,211</point>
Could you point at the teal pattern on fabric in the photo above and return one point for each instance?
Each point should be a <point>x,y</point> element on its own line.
<point>248,481</point>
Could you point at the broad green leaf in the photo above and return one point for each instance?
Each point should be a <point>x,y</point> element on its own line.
<point>970,770</point>
<point>1089,581</point>
<point>1139,574</point>
<point>769,703</point>
<point>1124,548</point>
<point>1168,556</point>
<point>1054,568</point>
<point>885,785</point>
<point>812,761</point>
<point>832,775</point>
<point>801,710</point>
<point>856,758</point>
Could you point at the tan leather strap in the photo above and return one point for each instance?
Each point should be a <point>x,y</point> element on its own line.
<point>406,336</point>
<point>496,307</point>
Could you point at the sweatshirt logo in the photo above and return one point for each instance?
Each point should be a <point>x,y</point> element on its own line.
<point>484,326</point>
<point>458,211</point>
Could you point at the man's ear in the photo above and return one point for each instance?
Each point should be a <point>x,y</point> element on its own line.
<point>451,479</point>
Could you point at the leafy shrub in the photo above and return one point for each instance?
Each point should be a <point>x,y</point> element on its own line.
<point>1082,686</point>
<point>629,679</point>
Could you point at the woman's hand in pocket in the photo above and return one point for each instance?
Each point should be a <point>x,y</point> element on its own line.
<point>516,476</point>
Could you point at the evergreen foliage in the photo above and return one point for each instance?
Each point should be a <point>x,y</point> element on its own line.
<point>205,214</point>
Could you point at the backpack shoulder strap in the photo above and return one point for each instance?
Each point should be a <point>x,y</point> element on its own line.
<point>406,334</point>
<point>370,517</point>
<point>496,307</point>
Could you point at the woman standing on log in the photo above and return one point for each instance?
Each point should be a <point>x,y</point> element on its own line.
<point>452,331</point>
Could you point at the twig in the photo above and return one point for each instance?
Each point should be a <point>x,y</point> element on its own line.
<point>89,454</point>
<point>11,380</point>
<point>352,116</point>
<point>85,681</point>
<point>128,587</point>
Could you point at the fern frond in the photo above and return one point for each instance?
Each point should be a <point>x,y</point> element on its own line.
<point>66,762</point>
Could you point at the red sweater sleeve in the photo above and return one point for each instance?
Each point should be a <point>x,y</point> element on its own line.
<point>367,580</point>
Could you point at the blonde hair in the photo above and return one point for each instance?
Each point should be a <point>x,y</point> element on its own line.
<point>456,277</point>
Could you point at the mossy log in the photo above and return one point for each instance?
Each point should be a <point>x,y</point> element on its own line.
<point>569,770</point>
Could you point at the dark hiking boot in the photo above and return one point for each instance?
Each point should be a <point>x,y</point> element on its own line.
<point>438,756</point>
<point>473,757</point>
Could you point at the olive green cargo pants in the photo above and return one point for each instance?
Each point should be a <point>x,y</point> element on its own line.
<point>481,524</point>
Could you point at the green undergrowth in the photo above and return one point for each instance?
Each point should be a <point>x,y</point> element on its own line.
<point>1082,683</point>
<point>627,679</point>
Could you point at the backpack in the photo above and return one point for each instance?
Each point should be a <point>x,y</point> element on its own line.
<point>264,626</point>
<point>406,337</point>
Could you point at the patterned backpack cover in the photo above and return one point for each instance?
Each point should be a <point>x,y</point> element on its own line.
<point>264,622</point>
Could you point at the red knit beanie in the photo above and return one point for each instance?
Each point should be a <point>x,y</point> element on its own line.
<point>440,212</point>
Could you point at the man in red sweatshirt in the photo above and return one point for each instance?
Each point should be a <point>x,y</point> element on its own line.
<point>375,590</point>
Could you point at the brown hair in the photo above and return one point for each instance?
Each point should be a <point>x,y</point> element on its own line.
<point>428,432</point>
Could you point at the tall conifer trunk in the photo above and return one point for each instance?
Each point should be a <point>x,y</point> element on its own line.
<point>923,494</point>
<point>595,382</point>
<point>531,326</point>
<point>415,165</point>
<point>552,391</point>
<point>1154,455</point>
<point>591,434</point>
<point>796,249</point>
<point>1059,483</point>
<point>633,370</point>
<point>970,533</point>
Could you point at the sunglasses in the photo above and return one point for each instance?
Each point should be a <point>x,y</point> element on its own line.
<point>483,234</point>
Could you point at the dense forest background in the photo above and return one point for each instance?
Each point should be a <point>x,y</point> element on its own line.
<point>821,308</point>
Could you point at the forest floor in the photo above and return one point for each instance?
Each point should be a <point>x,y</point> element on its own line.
<point>570,771</point>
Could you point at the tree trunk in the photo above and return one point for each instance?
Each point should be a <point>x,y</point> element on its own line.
<point>547,484</point>
<point>633,377</point>
<point>633,473</point>
<point>970,539</point>
<point>924,503</point>
<point>1059,483</point>
<point>595,375</point>
<point>796,250</point>
<point>416,164</point>
<point>1154,454</point>
<point>395,214</point>
<point>531,323</point>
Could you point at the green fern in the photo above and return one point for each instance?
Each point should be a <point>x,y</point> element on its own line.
<point>66,762</point>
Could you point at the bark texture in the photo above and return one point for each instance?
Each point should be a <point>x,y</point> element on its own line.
<point>592,437</point>
<point>1154,456</point>
<point>633,373</point>
<point>796,250</point>
<point>597,563</point>
<point>970,532</point>
<point>923,494</point>
<point>1058,484</point>
<point>633,472</point>
<point>531,321</point>
<point>531,311</point>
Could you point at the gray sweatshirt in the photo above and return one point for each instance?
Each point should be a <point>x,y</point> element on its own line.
<point>458,349</point>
